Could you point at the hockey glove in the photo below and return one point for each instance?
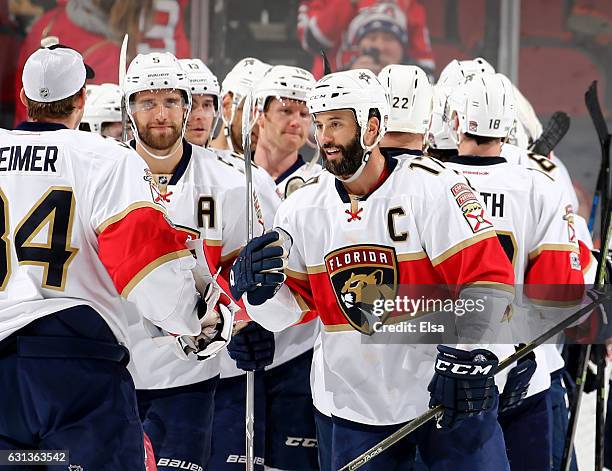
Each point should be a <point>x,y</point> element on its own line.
<point>217,321</point>
<point>252,348</point>
<point>258,270</point>
<point>517,383</point>
<point>463,383</point>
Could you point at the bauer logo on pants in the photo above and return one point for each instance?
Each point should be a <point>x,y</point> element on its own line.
<point>360,276</point>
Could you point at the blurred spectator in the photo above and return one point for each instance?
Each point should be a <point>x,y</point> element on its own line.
<point>350,30</point>
<point>10,39</point>
<point>96,28</point>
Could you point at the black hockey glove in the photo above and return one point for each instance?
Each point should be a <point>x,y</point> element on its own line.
<point>258,270</point>
<point>517,383</point>
<point>252,348</point>
<point>463,383</point>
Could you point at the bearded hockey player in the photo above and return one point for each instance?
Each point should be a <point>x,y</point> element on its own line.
<point>534,223</point>
<point>103,110</point>
<point>204,198</point>
<point>411,97</point>
<point>369,234</point>
<point>81,228</point>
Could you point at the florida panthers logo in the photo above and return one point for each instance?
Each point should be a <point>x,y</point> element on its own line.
<point>362,275</point>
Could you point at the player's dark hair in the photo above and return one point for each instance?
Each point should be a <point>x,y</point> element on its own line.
<point>60,109</point>
<point>480,140</point>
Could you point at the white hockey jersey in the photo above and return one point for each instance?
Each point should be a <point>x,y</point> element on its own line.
<point>534,221</point>
<point>80,224</point>
<point>421,226</point>
<point>205,197</point>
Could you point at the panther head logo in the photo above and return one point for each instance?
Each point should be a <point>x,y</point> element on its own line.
<point>365,289</point>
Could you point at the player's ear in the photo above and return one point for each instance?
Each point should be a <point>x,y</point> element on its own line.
<point>22,98</point>
<point>372,131</point>
<point>227,106</point>
<point>79,101</point>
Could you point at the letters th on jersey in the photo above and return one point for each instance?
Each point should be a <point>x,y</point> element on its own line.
<point>361,275</point>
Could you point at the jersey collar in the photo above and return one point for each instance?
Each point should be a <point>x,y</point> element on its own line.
<point>390,164</point>
<point>297,164</point>
<point>476,160</point>
<point>397,151</point>
<point>181,168</point>
<point>39,126</point>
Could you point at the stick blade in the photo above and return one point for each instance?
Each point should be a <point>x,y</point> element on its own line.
<point>591,100</point>
<point>555,130</point>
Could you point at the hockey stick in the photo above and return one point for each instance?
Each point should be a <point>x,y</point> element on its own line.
<point>122,73</point>
<point>507,362</point>
<point>592,103</point>
<point>555,130</point>
<point>602,192</point>
<point>250,375</point>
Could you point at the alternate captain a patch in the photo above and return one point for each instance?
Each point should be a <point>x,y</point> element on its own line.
<point>360,276</point>
<point>472,210</point>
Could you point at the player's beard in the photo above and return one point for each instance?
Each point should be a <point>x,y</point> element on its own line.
<point>352,155</point>
<point>160,141</point>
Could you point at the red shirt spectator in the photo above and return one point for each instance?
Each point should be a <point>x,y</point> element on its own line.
<point>322,24</point>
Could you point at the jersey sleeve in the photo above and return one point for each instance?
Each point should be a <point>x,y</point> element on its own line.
<point>461,242</point>
<point>143,253</point>
<point>554,252</point>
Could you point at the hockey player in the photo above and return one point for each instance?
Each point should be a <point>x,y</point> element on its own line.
<point>356,238</point>
<point>237,83</point>
<point>284,123</point>
<point>254,344</point>
<point>411,97</point>
<point>534,223</point>
<point>203,195</point>
<point>103,110</point>
<point>80,228</point>
<point>206,102</point>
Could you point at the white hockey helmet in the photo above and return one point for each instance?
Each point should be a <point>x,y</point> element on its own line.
<point>456,72</point>
<point>411,98</point>
<point>528,126</point>
<point>358,90</point>
<point>103,105</point>
<point>156,71</point>
<point>242,78</point>
<point>485,106</point>
<point>282,81</point>
<point>439,135</point>
<point>201,79</point>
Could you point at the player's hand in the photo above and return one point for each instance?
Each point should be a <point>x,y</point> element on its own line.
<point>463,383</point>
<point>517,383</point>
<point>258,270</point>
<point>252,348</point>
<point>217,320</point>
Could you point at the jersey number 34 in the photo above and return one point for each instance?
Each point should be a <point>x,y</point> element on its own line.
<point>54,209</point>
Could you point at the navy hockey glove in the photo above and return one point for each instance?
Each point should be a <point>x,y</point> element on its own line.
<point>258,270</point>
<point>252,348</point>
<point>463,383</point>
<point>517,383</point>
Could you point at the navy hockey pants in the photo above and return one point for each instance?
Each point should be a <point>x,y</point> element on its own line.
<point>528,433</point>
<point>290,427</point>
<point>476,444</point>
<point>228,442</point>
<point>64,386</point>
<point>560,420</point>
<point>179,422</point>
